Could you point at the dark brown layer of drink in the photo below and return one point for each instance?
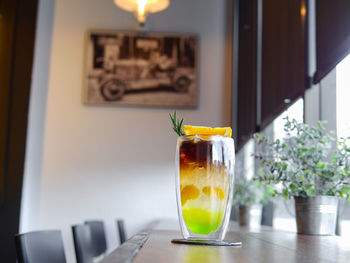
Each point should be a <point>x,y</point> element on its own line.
<point>200,153</point>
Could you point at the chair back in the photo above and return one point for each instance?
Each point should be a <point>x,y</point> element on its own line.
<point>98,236</point>
<point>83,243</point>
<point>40,247</point>
<point>121,231</point>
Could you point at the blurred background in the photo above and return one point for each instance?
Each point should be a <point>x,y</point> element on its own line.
<point>64,161</point>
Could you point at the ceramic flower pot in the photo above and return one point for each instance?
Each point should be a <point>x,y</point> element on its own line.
<point>249,215</point>
<point>316,215</point>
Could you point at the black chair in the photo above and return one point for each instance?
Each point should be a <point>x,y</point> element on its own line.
<point>98,236</point>
<point>83,244</point>
<point>40,247</point>
<point>121,231</point>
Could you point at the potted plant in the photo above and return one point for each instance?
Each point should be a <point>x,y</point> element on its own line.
<point>311,166</point>
<point>248,198</point>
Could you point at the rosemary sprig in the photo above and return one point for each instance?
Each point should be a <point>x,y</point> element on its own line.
<point>177,125</point>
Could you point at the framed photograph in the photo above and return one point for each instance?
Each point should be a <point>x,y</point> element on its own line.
<point>142,69</point>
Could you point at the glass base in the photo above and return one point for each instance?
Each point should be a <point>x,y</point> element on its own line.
<point>207,242</point>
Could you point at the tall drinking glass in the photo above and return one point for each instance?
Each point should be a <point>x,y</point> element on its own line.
<point>204,185</point>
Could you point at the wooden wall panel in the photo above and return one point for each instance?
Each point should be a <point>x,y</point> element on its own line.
<point>283,56</point>
<point>246,117</point>
<point>283,62</point>
<point>332,34</point>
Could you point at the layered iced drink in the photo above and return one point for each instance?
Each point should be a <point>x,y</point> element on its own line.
<point>205,181</point>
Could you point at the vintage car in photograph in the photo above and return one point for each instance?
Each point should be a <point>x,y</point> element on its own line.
<point>136,75</point>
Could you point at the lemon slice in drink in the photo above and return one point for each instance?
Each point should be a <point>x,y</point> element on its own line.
<point>200,130</point>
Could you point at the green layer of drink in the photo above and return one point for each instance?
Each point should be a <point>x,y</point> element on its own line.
<point>202,221</point>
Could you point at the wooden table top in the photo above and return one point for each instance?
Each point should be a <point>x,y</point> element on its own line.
<point>259,245</point>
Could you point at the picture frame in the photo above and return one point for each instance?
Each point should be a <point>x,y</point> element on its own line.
<point>141,69</point>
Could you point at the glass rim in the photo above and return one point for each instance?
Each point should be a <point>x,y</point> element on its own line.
<point>200,136</point>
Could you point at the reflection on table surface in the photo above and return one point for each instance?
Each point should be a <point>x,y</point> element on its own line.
<point>262,244</point>
<point>195,254</point>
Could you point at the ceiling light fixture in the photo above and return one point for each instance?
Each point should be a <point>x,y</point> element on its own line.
<point>142,8</point>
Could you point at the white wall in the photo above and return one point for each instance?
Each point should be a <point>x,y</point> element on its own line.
<point>106,162</point>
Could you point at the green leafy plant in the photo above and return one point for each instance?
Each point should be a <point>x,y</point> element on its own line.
<point>177,124</point>
<point>304,164</point>
<point>250,192</point>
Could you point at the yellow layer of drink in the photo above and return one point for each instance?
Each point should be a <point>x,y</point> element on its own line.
<point>203,197</point>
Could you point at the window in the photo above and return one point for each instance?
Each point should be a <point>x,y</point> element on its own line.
<point>343,97</point>
<point>343,125</point>
<point>247,167</point>
<point>295,111</point>
<point>284,209</point>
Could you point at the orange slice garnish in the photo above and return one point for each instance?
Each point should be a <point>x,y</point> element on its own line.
<point>189,192</point>
<point>201,130</point>
<point>210,190</point>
